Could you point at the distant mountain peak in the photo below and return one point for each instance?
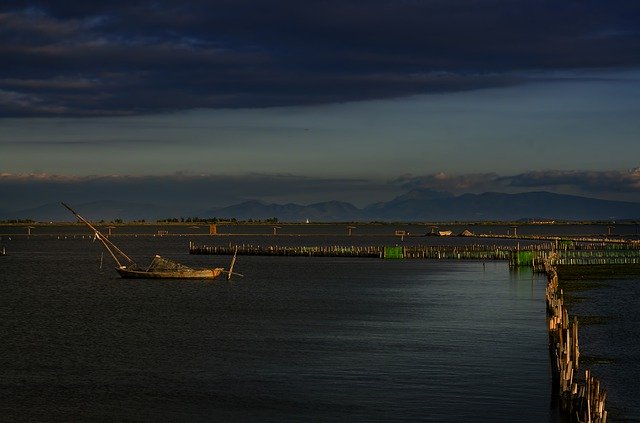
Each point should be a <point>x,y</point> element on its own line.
<point>422,205</point>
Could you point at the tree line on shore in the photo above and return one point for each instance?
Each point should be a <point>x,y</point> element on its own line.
<point>193,220</point>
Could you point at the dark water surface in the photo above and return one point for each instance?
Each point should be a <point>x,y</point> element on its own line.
<point>620,229</point>
<point>296,339</point>
<point>608,311</point>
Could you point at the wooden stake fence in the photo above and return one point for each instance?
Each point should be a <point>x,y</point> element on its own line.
<point>469,252</point>
<point>581,400</point>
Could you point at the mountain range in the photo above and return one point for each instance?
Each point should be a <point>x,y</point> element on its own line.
<point>416,205</point>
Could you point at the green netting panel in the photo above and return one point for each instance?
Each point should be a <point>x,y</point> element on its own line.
<point>524,258</point>
<point>393,252</point>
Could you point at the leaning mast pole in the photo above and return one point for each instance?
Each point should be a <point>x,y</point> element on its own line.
<point>105,241</point>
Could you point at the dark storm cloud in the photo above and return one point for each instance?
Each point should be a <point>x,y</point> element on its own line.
<point>115,58</point>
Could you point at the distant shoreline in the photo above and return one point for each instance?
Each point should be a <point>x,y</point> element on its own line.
<point>372,223</point>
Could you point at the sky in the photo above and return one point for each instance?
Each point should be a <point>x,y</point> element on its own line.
<point>216,102</point>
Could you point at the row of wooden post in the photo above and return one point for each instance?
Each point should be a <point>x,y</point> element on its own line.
<point>472,252</point>
<point>581,400</point>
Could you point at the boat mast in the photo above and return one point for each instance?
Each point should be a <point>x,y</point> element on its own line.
<point>233,261</point>
<point>105,241</point>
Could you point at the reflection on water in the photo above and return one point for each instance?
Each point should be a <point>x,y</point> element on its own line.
<point>296,339</point>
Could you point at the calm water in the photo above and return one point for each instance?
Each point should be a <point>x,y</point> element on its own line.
<point>296,339</point>
<point>629,230</point>
<point>610,339</point>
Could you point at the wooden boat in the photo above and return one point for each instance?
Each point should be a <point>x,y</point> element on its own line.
<point>163,268</point>
<point>160,267</point>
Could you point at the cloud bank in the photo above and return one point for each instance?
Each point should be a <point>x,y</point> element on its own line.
<point>613,185</point>
<point>200,192</point>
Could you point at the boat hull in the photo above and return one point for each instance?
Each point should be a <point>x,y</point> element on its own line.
<point>160,267</point>
<point>170,274</point>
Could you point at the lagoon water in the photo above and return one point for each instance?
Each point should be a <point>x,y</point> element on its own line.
<point>296,339</point>
<point>609,312</point>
